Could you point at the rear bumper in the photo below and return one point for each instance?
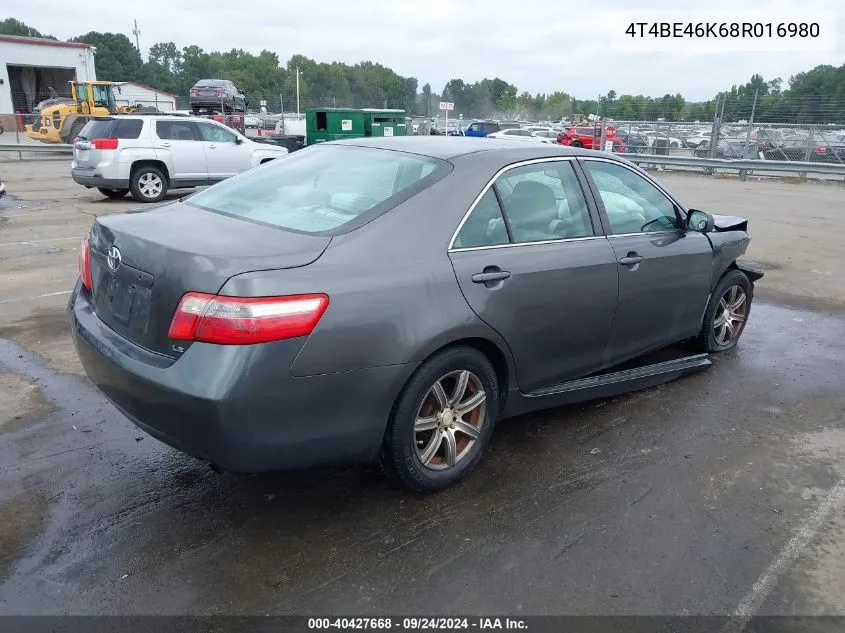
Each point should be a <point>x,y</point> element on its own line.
<point>238,406</point>
<point>92,178</point>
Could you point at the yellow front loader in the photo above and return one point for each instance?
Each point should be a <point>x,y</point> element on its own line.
<point>60,119</point>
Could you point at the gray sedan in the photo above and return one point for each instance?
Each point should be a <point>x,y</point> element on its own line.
<point>392,299</point>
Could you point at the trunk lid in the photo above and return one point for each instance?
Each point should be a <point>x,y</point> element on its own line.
<point>164,252</point>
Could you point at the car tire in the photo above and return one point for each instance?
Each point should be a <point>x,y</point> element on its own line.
<point>148,184</point>
<point>422,428</point>
<point>114,194</point>
<point>726,313</point>
<point>577,144</point>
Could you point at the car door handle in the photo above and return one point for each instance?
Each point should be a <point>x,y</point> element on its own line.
<point>632,259</point>
<point>165,144</point>
<point>490,276</point>
<point>212,147</point>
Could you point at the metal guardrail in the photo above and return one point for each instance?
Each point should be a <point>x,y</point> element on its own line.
<point>743,165</point>
<point>48,148</point>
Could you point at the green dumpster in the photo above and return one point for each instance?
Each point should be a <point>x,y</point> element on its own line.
<point>331,124</point>
<point>386,122</point>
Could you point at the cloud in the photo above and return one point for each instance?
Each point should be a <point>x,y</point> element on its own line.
<point>538,45</point>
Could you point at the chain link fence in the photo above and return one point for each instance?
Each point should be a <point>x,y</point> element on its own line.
<point>762,141</point>
<point>263,114</point>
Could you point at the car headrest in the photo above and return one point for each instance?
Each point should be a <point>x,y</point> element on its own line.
<point>532,204</point>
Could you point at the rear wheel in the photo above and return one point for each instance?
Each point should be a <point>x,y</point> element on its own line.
<point>115,194</point>
<point>148,184</point>
<point>443,421</point>
<point>577,144</point>
<point>727,313</point>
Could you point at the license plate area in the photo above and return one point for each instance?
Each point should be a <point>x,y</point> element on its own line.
<point>128,303</point>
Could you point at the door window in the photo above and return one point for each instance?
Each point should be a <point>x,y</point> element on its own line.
<point>176,130</point>
<point>543,202</point>
<point>215,133</point>
<point>485,226</point>
<point>632,204</point>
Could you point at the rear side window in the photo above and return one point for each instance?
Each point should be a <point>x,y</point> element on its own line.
<point>176,130</point>
<point>542,202</point>
<point>323,189</point>
<point>128,128</point>
<point>111,128</point>
<point>485,226</point>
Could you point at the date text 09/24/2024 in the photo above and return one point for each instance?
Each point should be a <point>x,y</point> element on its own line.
<point>417,624</point>
<point>724,29</point>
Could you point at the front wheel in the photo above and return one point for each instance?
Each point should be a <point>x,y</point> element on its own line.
<point>148,184</point>
<point>442,421</point>
<point>577,144</point>
<point>727,313</point>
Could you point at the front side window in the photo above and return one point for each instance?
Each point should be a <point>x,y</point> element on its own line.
<point>215,133</point>
<point>322,188</point>
<point>632,204</point>
<point>544,201</point>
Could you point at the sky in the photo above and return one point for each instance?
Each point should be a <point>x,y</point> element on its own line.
<point>538,45</point>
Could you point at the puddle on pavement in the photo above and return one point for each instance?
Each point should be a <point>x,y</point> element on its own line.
<point>21,403</point>
<point>13,202</point>
<point>23,521</point>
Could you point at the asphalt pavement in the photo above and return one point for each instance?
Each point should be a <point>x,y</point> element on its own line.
<point>722,493</point>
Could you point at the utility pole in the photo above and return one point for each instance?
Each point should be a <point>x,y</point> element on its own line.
<point>297,90</point>
<point>136,31</point>
<point>750,124</point>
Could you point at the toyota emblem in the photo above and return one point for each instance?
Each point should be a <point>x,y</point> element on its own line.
<point>113,258</point>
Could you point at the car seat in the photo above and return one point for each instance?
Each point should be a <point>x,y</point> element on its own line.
<point>532,212</point>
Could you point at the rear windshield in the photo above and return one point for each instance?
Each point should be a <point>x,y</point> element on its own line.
<point>111,128</point>
<point>210,83</point>
<point>325,189</point>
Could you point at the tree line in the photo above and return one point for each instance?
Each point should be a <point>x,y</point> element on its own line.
<point>815,96</point>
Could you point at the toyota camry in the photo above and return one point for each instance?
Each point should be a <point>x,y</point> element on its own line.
<point>392,299</point>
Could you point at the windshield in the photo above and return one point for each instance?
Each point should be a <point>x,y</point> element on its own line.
<point>323,188</point>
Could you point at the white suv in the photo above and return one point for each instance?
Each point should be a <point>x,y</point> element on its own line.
<point>150,154</point>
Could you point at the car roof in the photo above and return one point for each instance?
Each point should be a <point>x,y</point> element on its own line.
<point>448,147</point>
<point>158,116</point>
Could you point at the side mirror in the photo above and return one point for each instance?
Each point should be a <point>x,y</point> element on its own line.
<point>238,140</point>
<point>700,221</point>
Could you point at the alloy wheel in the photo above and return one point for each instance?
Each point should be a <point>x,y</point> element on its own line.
<point>150,185</point>
<point>730,315</point>
<point>449,420</point>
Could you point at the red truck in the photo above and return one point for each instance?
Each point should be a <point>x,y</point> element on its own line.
<point>584,137</point>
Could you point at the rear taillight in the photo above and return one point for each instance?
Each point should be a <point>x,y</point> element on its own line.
<point>104,143</point>
<point>245,320</point>
<point>219,92</point>
<point>195,91</point>
<point>85,263</point>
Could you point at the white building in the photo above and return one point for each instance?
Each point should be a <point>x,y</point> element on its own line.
<point>29,66</point>
<point>132,93</point>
